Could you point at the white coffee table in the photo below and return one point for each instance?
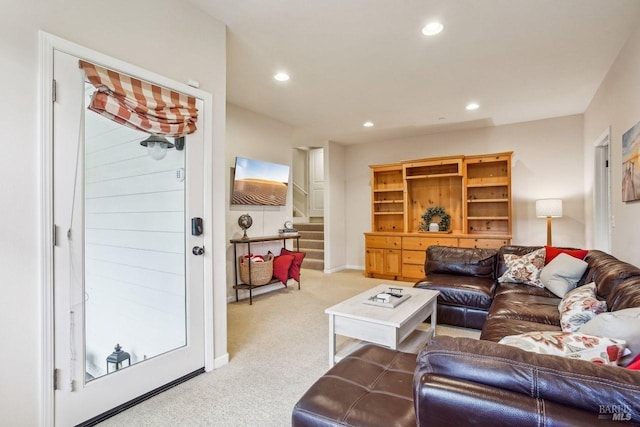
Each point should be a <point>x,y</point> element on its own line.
<point>396,328</point>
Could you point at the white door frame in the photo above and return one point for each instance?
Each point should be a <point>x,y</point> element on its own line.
<point>49,43</point>
<point>602,216</point>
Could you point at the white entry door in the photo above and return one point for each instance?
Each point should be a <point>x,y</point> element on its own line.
<point>316,182</point>
<point>127,271</point>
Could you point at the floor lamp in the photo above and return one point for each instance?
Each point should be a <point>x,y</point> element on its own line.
<point>549,208</point>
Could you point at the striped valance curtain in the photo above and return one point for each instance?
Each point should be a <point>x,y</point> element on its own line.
<point>140,105</point>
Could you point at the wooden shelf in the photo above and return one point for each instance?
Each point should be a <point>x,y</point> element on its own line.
<point>487,200</point>
<point>488,218</point>
<point>438,175</point>
<point>389,213</point>
<point>387,201</point>
<point>471,182</point>
<point>387,190</point>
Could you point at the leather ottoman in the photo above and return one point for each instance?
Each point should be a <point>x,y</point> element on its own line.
<point>373,386</point>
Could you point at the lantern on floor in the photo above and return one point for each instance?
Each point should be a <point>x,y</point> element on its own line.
<point>116,359</point>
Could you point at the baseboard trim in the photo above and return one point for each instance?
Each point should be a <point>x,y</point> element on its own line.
<point>133,402</point>
<point>221,361</point>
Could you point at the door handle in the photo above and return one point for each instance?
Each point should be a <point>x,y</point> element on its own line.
<point>197,250</point>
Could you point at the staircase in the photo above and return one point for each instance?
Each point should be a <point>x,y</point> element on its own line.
<point>312,242</point>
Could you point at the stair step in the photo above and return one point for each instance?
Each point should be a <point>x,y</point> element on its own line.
<point>313,264</point>
<point>311,235</point>
<point>314,253</point>
<point>310,226</point>
<point>311,244</point>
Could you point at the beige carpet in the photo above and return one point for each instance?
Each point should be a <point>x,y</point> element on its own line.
<point>278,347</point>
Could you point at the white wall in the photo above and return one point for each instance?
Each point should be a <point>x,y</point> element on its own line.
<point>300,191</point>
<point>616,104</point>
<point>335,212</point>
<point>547,163</point>
<point>198,45</point>
<point>257,137</point>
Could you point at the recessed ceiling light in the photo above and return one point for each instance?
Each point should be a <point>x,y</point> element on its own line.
<point>432,28</point>
<point>368,124</point>
<point>472,106</point>
<point>281,77</point>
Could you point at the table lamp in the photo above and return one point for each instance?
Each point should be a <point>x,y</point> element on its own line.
<point>549,208</point>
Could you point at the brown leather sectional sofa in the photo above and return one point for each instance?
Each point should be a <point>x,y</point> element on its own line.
<point>461,381</point>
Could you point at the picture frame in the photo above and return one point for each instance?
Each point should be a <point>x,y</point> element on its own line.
<point>630,166</point>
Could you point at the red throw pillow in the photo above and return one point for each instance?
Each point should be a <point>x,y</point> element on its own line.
<point>294,270</point>
<point>552,252</point>
<point>635,364</point>
<point>281,266</point>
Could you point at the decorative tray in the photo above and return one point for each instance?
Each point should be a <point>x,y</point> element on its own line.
<point>388,299</point>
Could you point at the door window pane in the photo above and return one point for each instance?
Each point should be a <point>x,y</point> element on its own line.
<point>134,246</point>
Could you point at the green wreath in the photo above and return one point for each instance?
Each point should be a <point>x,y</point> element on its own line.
<point>435,211</point>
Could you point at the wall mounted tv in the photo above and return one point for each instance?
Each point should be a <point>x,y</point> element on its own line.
<point>259,183</point>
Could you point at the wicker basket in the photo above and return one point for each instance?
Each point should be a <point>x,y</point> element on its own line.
<point>261,272</point>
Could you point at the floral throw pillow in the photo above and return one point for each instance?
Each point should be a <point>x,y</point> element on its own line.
<point>524,268</point>
<point>579,306</point>
<point>606,351</point>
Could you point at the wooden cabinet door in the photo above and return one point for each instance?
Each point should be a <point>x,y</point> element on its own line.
<point>392,262</point>
<point>375,261</point>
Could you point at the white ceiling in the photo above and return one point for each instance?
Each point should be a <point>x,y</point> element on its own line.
<point>356,60</point>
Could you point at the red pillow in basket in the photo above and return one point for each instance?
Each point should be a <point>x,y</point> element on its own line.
<point>281,266</point>
<point>294,270</point>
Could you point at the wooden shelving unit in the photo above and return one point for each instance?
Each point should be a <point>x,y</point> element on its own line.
<point>474,190</point>
<point>488,194</point>
<point>387,196</point>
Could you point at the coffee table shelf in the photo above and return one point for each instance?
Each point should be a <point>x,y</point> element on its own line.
<point>412,344</point>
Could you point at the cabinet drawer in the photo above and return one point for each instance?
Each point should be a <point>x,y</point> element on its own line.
<point>413,257</point>
<point>422,243</point>
<point>484,243</point>
<point>389,242</point>
<point>412,271</point>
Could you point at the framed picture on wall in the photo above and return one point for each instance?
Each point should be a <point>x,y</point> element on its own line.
<point>630,167</point>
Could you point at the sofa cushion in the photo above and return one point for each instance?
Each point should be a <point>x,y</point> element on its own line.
<point>515,288</point>
<point>625,295</point>
<point>530,308</point>
<point>461,261</point>
<point>466,317</point>
<point>562,273</point>
<point>579,306</point>
<point>621,324</point>
<point>542,377</point>
<point>496,329</point>
<point>607,272</point>
<point>370,387</point>
<point>465,291</point>
<point>552,252</point>
<point>511,249</point>
<point>524,269</point>
<point>567,344</point>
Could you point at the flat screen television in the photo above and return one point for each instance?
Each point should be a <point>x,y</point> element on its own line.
<point>259,183</point>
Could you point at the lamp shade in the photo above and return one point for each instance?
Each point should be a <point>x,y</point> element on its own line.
<point>549,208</point>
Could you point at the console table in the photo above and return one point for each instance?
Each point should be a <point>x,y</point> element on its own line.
<point>248,242</point>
